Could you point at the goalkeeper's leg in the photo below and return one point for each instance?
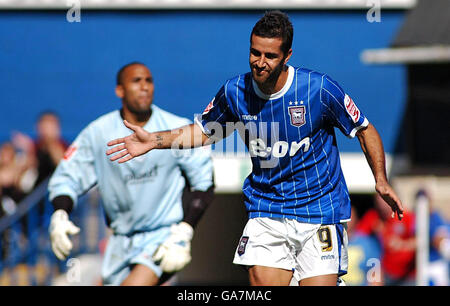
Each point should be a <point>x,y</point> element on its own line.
<point>141,275</point>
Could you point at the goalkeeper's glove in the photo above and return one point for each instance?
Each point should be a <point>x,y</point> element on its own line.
<point>175,253</point>
<point>60,228</point>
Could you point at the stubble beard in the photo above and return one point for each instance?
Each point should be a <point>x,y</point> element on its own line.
<point>142,115</point>
<point>272,79</point>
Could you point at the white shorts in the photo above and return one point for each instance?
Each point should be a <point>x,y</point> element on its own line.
<point>307,249</point>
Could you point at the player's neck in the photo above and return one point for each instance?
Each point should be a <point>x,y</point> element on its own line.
<point>272,86</point>
<point>139,119</point>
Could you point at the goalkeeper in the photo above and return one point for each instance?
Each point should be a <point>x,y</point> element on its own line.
<point>142,200</point>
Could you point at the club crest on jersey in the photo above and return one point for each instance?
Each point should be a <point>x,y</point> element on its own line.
<point>297,114</point>
<point>351,108</point>
<point>208,108</point>
<point>242,245</point>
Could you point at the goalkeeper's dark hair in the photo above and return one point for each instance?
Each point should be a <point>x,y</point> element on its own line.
<point>275,24</point>
<point>120,73</point>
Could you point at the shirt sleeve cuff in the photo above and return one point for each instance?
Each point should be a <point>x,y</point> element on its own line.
<point>198,121</point>
<point>63,191</point>
<point>356,129</point>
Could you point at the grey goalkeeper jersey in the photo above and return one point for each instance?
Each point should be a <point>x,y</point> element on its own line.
<point>142,194</point>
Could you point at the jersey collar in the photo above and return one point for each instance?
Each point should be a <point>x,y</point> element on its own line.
<point>279,94</point>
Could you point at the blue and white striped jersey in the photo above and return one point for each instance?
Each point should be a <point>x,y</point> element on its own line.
<point>143,194</point>
<point>291,139</point>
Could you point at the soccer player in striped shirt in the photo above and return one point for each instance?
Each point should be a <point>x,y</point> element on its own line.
<point>296,196</point>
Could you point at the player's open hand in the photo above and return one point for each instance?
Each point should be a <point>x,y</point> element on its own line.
<point>390,197</point>
<point>127,148</point>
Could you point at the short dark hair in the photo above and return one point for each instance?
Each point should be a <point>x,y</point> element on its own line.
<point>120,73</point>
<point>275,24</point>
<point>46,113</point>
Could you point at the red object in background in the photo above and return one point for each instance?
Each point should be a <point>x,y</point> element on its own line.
<point>396,237</point>
<point>399,253</point>
<point>369,222</point>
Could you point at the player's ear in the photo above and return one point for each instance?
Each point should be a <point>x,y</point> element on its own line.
<point>119,91</point>
<point>288,56</point>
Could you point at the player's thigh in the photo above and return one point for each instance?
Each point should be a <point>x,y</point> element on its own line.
<point>141,275</point>
<point>124,254</point>
<point>321,280</point>
<point>268,276</point>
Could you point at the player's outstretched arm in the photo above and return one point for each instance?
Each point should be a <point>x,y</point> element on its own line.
<point>372,147</point>
<point>141,141</point>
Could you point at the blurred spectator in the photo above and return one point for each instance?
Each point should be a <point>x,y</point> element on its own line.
<point>398,242</point>
<point>397,239</point>
<point>364,253</point>
<point>24,164</point>
<point>16,180</point>
<point>13,177</point>
<point>49,146</point>
<point>47,150</point>
<point>41,155</point>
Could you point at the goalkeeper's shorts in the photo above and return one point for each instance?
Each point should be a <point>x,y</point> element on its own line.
<point>122,252</point>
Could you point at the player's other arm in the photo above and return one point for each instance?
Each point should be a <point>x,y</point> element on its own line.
<point>372,147</point>
<point>141,141</point>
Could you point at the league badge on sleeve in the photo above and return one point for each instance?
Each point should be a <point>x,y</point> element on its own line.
<point>351,108</point>
<point>208,108</point>
<point>297,114</point>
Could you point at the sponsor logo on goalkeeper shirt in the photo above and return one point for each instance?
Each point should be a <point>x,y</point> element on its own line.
<point>136,178</point>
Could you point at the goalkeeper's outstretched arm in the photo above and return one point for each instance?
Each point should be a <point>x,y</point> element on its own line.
<point>141,141</point>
